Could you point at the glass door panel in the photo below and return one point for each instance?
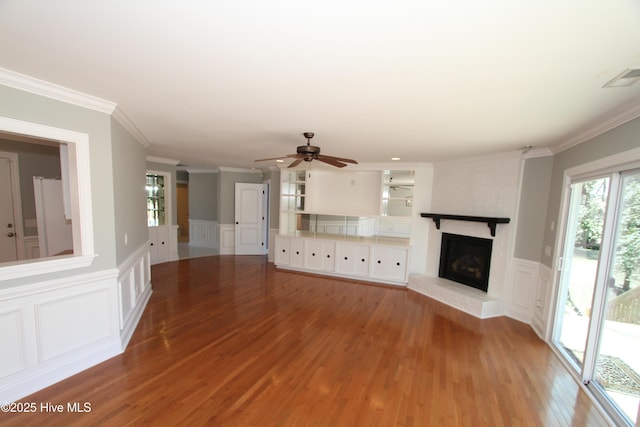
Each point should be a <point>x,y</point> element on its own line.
<point>155,200</point>
<point>618,359</point>
<point>580,265</point>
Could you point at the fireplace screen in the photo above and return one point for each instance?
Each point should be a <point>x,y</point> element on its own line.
<point>466,260</point>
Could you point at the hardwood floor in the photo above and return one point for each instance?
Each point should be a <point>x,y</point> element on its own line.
<point>231,341</point>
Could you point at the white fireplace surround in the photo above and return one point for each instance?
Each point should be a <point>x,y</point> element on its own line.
<point>477,187</point>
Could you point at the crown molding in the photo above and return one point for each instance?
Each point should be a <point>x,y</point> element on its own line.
<point>190,170</point>
<point>486,157</point>
<point>126,122</point>
<point>163,160</point>
<point>619,117</point>
<point>228,169</point>
<point>538,152</point>
<point>50,90</point>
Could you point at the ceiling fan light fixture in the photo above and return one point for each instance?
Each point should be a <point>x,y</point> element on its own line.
<point>309,153</point>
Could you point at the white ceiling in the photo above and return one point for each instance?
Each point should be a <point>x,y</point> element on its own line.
<point>215,83</point>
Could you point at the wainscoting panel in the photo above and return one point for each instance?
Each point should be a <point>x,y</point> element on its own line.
<point>543,303</point>
<point>11,335</point>
<point>55,329</point>
<point>31,247</point>
<point>522,290</point>
<point>272,243</point>
<point>203,234</point>
<point>134,291</point>
<point>73,322</point>
<point>227,239</point>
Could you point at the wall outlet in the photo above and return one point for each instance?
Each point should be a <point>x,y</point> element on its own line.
<point>126,239</point>
<point>547,250</point>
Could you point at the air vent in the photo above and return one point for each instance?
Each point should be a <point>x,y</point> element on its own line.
<point>625,79</point>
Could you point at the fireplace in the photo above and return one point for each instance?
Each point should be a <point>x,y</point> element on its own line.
<point>466,260</point>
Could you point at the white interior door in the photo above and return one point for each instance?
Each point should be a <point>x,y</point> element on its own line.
<point>8,251</point>
<point>250,219</point>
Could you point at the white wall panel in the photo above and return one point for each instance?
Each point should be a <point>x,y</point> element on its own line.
<point>522,289</point>
<point>203,233</point>
<point>72,322</point>
<point>13,351</point>
<point>227,239</point>
<point>56,328</point>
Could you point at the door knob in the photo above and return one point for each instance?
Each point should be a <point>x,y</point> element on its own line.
<point>10,234</point>
<point>9,225</point>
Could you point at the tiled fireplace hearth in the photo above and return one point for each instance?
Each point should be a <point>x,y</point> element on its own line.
<point>457,295</point>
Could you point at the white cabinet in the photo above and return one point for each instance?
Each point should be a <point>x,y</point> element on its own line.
<point>361,259</point>
<point>389,263</point>
<point>163,243</point>
<point>319,254</point>
<point>282,254</point>
<point>297,253</point>
<point>289,251</point>
<point>352,259</point>
<point>159,244</point>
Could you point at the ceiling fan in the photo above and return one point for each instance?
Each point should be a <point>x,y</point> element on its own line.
<point>311,152</point>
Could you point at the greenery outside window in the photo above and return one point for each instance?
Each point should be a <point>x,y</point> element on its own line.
<point>155,200</point>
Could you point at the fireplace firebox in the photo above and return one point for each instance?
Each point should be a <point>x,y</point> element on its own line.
<point>466,260</point>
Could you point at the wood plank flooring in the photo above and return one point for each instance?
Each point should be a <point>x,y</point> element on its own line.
<point>231,341</point>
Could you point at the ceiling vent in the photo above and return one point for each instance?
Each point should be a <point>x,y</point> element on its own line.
<point>624,79</point>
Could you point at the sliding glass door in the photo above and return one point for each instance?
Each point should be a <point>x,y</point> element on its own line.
<point>597,325</point>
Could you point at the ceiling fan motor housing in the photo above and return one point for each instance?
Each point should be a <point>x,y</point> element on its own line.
<point>309,151</point>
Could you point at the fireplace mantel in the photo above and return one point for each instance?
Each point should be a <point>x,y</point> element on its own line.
<point>491,221</point>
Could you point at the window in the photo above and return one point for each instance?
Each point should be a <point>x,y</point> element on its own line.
<point>156,204</point>
<point>80,206</point>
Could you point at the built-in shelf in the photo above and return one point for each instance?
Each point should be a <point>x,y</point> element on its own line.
<point>491,221</point>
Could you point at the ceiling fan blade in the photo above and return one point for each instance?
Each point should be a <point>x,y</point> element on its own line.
<point>330,160</point>
<point>296,162</point>
<point>339,159</point>
<point>279,158</point>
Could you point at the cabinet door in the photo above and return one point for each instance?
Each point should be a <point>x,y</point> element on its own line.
<point>163,243</point>
<point>328,256</point>
<point>297,252</point>
<point>153,244</point>
<point>282,252</point>
<point>319,255</point>
<point>352,259</point>
<point>389,263</point>
<point>313,254</point>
